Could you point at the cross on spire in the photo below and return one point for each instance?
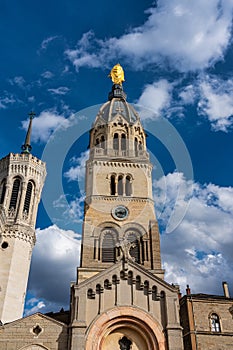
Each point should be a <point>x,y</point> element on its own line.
<point>26,147</point>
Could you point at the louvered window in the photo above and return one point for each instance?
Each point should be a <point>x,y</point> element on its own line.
<point>15,193</point>
<point>108,248</point>
<point>28,197</point>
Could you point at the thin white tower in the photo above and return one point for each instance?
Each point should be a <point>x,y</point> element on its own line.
<point>22,178</point>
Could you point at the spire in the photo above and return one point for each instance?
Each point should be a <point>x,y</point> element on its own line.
<point>26,147</point>
<point>117,76</point>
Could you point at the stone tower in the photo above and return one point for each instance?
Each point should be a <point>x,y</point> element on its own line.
<point>120,300</point>
<point>119,202</point>
<point>21,181</point>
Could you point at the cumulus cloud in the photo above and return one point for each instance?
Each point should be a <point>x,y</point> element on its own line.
<point>155,97</point>
<point>73,208</point>
<point>83,55</point>
<point>45,124</point>
<point>188,94</point>
<point>199,250</point>
<point>78,168</point>
<point>54,261</point>
<point>216,102</point>
<point>187,35</point>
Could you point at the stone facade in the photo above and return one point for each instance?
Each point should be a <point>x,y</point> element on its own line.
<point>34,332</point>
<point>207,322</point>
<point>120,299</point>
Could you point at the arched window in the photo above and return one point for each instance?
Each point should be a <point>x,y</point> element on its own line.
<point>135,249</point>
<point>3,191</point>
<point>28,196</point>
<point>215,323</point>
<point>128,186</point>
<point>108,248</point>
<point>15,193</point>
<point>138,283</point>
<point>120,185</point>
<point>136,144</point>
<point>116,142</point>
<point>97,143</point>
<point>102,141</point>
<point>112,185</point>
<point>123,142</point>
<point>140,146</point>
<point>154,293</point>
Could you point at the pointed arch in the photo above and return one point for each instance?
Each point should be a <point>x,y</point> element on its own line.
<point>15,193</point>
<point>28,197</point>
<point>136,144</point>
<point>2,191</point>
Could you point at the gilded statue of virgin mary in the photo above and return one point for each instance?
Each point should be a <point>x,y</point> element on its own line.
<point>117,74</point>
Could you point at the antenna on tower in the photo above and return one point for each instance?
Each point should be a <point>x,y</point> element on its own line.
<point>26,147</point>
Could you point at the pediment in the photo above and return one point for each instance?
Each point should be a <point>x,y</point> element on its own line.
<point>123,271</point>
<point>33,319</point>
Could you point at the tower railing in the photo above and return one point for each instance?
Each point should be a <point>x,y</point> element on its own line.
<point>99,152</point>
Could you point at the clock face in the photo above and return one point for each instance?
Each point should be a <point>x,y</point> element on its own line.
<point>120,212</point>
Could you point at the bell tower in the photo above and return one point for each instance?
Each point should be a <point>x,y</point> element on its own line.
<point>22,178</point>
<point>119,207</point>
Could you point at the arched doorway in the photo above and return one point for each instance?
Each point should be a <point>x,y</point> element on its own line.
<point>125,328</point>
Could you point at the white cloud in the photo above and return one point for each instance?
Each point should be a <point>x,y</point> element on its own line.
<point>72,208</point>
<point>18,80</point>
<point>31,99</point>
<point>47,74</point>
<point>45,124</point>
<point>7,100</point>
<point>216,102</point>
<point>33,305</point>
<point>81,56</point>
<point>47,41</point>
<point>77,170</point>
<point>188,94</point>
<point>199,251</point>
<point>62,90</point>
<point>156,97</point>
<point>54,261</point>
<point>187,35</point>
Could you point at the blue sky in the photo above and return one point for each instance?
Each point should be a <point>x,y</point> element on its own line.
<point>177,57</point>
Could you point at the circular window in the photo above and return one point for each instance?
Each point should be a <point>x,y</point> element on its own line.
<point>120,212</point>
<point>4,245</point>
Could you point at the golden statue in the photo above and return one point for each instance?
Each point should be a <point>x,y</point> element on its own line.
<point>117,74</point>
